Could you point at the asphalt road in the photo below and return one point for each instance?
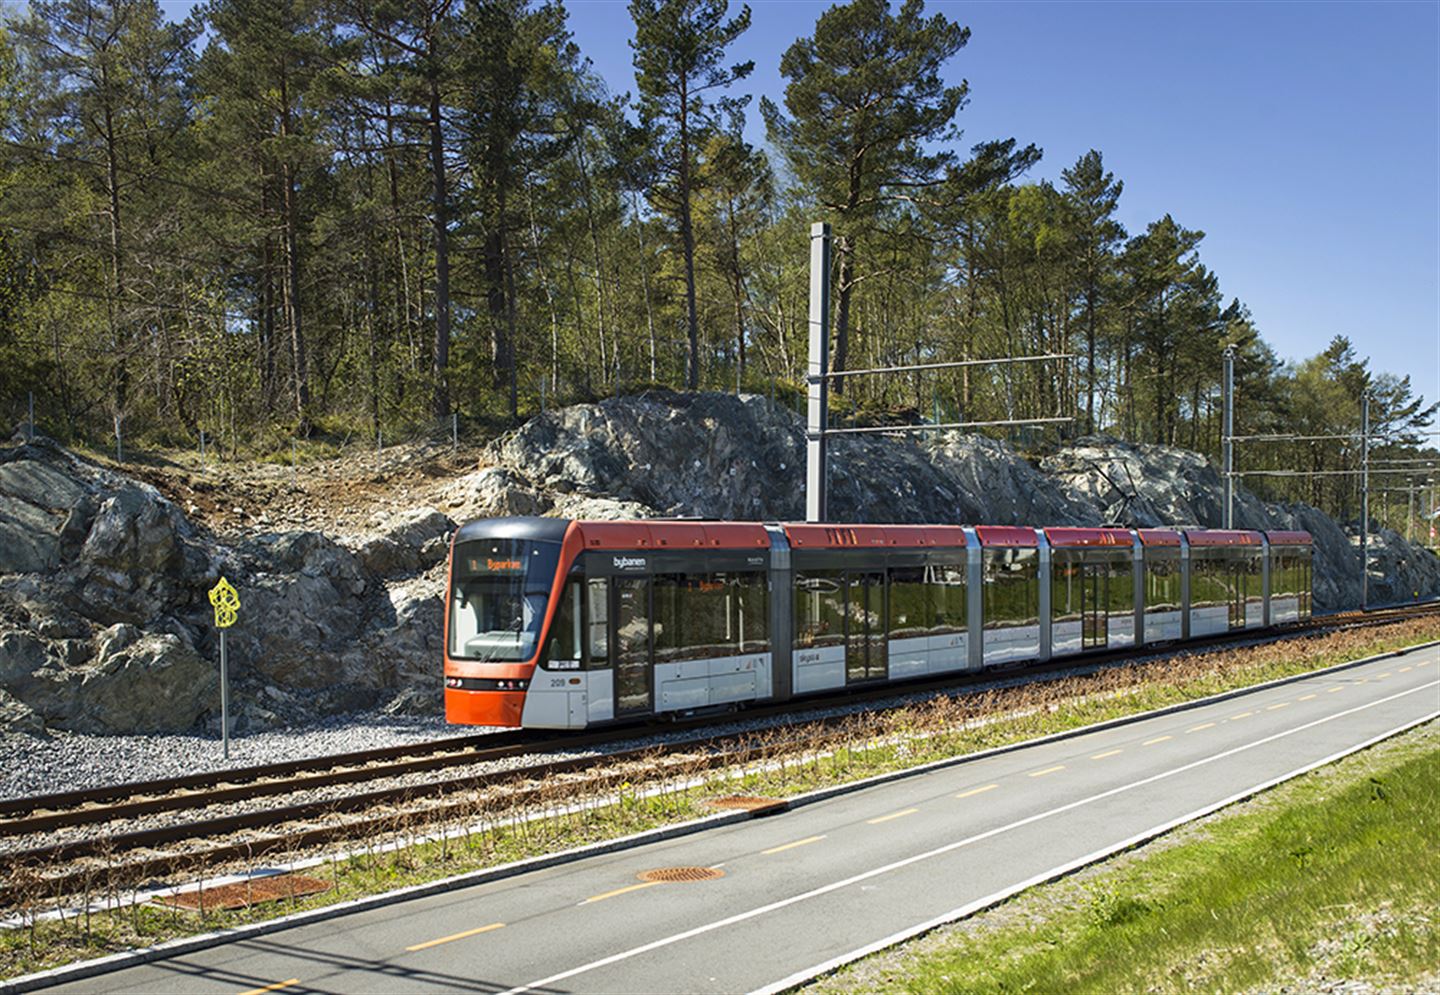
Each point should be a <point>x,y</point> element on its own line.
<point>806,886</point>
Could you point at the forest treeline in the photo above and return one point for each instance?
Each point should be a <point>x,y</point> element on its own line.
<point>347,218</point>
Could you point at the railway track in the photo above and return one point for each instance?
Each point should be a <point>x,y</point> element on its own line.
<point>297,822</point>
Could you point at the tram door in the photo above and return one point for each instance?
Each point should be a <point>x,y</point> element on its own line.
<point>865,637</point>
<point>1094,617</point>
<point>1238,576</point>
<point>632,645</point>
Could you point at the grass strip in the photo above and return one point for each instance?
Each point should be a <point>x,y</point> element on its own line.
<point>671,789</point>
<point>1330,877</point>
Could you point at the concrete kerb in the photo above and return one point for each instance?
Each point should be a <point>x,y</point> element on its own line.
<point>191,944</point>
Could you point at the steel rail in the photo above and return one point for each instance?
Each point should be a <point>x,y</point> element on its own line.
<point>721,750</point>
<point>224,825</point>
<point>241,775</point>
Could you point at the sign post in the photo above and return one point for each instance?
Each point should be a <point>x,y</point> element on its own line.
<point>226,602</point>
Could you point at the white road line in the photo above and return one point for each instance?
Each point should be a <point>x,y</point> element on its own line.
<point>991,900</point>
<point>740,917</point>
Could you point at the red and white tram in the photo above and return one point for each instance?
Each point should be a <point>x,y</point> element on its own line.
<point>564,624</point>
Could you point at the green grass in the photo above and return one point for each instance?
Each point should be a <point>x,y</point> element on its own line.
<point>1332,876</point>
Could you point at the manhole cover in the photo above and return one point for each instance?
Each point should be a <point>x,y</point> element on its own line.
<point>246,893</point>
<point>749,803</point>
<point>681,874</point>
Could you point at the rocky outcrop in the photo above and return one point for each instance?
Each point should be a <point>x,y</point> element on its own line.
<point>105,625</point>
<point>722,456</point>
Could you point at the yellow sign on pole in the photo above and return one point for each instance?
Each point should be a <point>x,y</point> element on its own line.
<point>226,601</point>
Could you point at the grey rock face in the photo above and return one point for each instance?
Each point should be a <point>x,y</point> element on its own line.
<point>37,508</point>
<point>721,456</point>
<point>105,625</point>
<point>408,544</point>
<point>494,492</point>
<point>156,684</point>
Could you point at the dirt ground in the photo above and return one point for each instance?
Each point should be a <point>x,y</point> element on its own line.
<point>350,493</point>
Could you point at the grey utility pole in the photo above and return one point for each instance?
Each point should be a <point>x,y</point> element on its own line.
<point>818,407</point>
<point>1364,500</point>
<point>1227,442</point>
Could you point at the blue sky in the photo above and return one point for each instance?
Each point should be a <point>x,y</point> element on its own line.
<point>1301,137</point>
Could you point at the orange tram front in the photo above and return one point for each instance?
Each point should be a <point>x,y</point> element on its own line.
<point>560,624</point>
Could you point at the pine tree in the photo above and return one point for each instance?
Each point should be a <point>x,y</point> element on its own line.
<point>865,99</point>
<point>1094,195</point>
<point>679,60</point>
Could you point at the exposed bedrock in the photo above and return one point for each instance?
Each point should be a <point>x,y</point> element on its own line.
<point>105,625</point>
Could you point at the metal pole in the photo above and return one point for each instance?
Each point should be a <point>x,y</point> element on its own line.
<point>202,445</point>
<point>1364,500</point>
<point>119,442</point>
<point>1227,441</point>
<point>818,413</point>
<point>224,698</point>
<point>454,431</point>
<point>30,423</point>
<point>1430,516</point>
<point>1410,513</point>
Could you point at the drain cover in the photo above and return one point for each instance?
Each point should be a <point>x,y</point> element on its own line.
<point>750,803</point>
<point>247,893</point>
<point>681,874</point>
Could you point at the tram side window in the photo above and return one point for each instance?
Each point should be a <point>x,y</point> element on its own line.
<point>1162,584</point>
<point>597,621</point>
<point>946,584</point>
<point>927,601</point>
<point>567,631</point>
<point>1012,587</point>
<point>910,610</point>
<point>1283,576</point>
<point>1207,582</point>
<point>1252,577</point>
<point>702,616</point>
<point>1122,587</point>
<point>1305,580</point>
<point>1064,588</point>
<point>819,609</point>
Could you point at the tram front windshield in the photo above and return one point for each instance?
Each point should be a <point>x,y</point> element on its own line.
<point>498,596</point>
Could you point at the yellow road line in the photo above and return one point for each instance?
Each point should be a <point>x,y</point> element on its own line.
<point>1387,673</point>
<point>1099,756</point>
<point>790,846</point>
<point>1278,704</point>
<point>1406,670</point>
<point>456,936</point>
<point>1157,739</point>
<point>892,815</point>
<point>1333,690</point>
<point>976,791</point>
<point>1047,770</point>
<point>620,891</point>
<point>273,988</point>
<point>1423,663</point>
<point>1307,697</point>
<point>1203,725</point>
<point>1242,715</point>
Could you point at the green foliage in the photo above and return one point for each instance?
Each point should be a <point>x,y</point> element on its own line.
<point>360,216</point>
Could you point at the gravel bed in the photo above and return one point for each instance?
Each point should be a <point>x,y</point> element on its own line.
<point>65,761</point>
<point>68,761</point>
